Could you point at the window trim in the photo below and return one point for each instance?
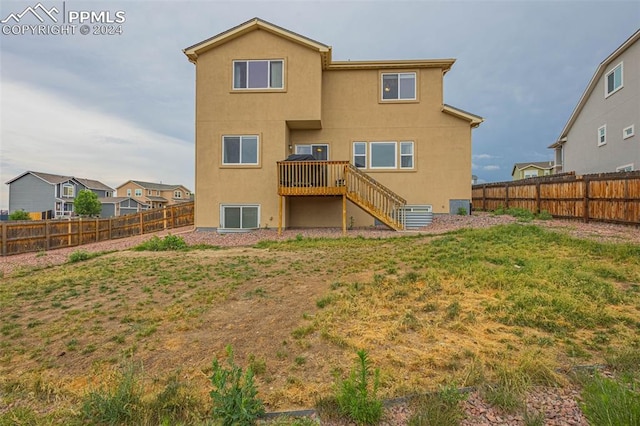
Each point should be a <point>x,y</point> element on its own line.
<point>253,89</point>
<point>68,186</point>
<point>241,206</point>
<point>602,137</point>
<point>631,134</point>
<point>606,80</point>
<point>138,193</point>
<point>177,194</point>
<point>129,192</point>
<point>398,99</point>
<point>353,154</point>
<point>240,163</point>
<point>412,155</point>
<point>395,156</point>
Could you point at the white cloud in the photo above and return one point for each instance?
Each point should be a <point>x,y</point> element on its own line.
<point>42,132</point>
<point>484,157</point>
<point>490,168</point>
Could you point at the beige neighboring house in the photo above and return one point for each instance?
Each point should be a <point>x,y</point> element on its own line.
<point>154,195</point>
<point>601,134</point>
<point>529,170</point>
<point>367,141</point>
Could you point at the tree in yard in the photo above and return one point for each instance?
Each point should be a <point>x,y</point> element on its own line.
<point>87,204</point>
<point>19,215</point>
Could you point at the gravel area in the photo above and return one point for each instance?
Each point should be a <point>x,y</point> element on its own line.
<point>559,405</point>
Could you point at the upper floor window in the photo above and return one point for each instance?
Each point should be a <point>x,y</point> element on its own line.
<point>602,135</point>
<point>399,86</point>
<point>627,132</point>
<point>263,74</point>
<point>138,192</point>
<point>360,154</point>
<point>68,190</point>
<point>625,168</point>
<point>382,155</point>
<point>177,194</point>
<point>240,150</point>
<point>149,192</point>
<point>613,80</point>
<point>128,193</point>
<point>406,155</point>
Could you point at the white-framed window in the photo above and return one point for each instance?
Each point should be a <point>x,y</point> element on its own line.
<point>319,151</point>
<point>398,86</point>
<point>530,173</point>
<point>602,135</point>
<point>406,155</point>
<point>627,132</point>
<point>138,192</point>
<point>68,190</point>
<point>240,150</point>
<point>177,194</point>
<point>128,192</point>
<point>382,155</point>
<point>258,74</point>
<point>613,80</point>
<point>360,155</point>
<point>625,168</point>
<point>240,216</point>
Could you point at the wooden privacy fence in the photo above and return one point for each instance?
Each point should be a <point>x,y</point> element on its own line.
<point>25,236</point>
<point>606,197</point>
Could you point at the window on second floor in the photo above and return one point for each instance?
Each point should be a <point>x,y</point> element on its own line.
<point>149,192</point>
<point>262,74</point>
<point>138,192</point>
<point>240,150</point>
<point>627,132</point>
<point>613,80</point>
<point>68,190</point>
<point>177,194</point>
<point>128,193</point>
<point>398,86</point>
<point>360,155</point>
<point>602,135</point>
<point>384,155</point>
<point>319,151</point>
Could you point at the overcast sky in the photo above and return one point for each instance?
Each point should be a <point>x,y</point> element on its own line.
<point>119,107</point>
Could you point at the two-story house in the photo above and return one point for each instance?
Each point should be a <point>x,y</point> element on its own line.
<point>365,139</point>
<point>154,195</point>
<point>533,169</point>
<point>51,194</point>
<point>600,135</point>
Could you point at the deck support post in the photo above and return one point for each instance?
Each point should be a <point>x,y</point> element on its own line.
<point>344,214</point>
<point>280,216</point>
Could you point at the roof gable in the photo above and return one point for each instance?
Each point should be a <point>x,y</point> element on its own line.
<point>255,24</point>
<point>592,85</point>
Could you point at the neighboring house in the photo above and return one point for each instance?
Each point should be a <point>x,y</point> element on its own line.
<point>600,135</point>
<point>529,170</point>
<point>120,206</point>
<point>36,192</point>
<point>370,136</point>
<point>155,195</point>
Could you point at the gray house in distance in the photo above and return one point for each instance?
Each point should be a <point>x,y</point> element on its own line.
<point>120,206</point>
<point>600,135</point>
<point>53,195</point>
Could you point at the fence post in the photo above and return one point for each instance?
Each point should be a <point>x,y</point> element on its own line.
<point>47,235</point>
<point>141,224</point>
<point>97,230</point>
<point>585,204</point>
<point>111,228</point>
<point>506,195</point>
<point>80,231</point>
<point>4,239</point>
<point>537,198</point>
<point>484,197</point>
<point>164,217</point>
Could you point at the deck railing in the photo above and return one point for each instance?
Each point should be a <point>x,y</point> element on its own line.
<point>321,178</point>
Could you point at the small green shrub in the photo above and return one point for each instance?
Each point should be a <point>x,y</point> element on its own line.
<point>462,211</point>
<point>155,243</point>
<point>175,404</point>
<point>79,256</point>
<point>234,394</point>
<point>19,215</point>
<point>120,406</point>
<point>356,397</point>
<point>544,215</point>
<point>608,402</point>
<point>442,408</point>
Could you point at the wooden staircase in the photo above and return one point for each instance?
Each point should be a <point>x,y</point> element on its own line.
<point>374,198</point>
<point>309,178</point>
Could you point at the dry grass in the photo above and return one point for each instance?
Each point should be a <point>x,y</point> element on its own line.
<point>458,308</point>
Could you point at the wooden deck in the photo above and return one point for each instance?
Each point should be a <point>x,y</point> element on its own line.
<point>340,178</point>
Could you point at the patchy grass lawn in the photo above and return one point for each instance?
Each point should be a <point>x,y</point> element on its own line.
<point>459,308</point>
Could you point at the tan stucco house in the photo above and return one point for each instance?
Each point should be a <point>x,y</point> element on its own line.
<point>154,195</point>
<point>366,140</point>
<point>533,169</point>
